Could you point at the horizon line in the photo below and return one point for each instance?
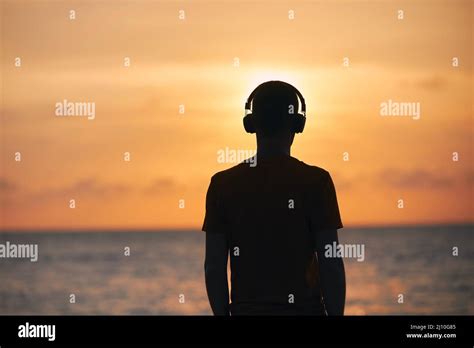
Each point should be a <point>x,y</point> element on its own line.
<point>198,229</point>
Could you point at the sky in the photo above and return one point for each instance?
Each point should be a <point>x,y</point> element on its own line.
<point>346,58</point>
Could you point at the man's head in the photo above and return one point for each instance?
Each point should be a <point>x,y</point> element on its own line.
<point>274,110</point>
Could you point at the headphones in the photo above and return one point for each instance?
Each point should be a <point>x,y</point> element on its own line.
<point>298,119</point>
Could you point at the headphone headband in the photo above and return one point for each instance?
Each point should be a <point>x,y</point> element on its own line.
<point>298,93</point>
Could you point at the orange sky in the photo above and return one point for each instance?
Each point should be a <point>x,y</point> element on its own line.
<point>191,62</point>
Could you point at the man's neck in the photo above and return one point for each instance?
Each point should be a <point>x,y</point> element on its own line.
<point>278,146</point>
<point>268,152</point>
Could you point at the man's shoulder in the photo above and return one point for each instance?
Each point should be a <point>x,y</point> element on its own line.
<point>301,169</point>
<point>311,172</point>
<point>229,173</point>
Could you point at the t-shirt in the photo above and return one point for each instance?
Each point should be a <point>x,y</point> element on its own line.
<point>270,214</point>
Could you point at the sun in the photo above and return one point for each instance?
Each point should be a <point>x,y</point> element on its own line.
<point>257,77</point>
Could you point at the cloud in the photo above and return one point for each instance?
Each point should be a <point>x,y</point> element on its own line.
<point>413,179</point>
<point>431,83</point>
<point>417,178</point>
<point>161,185</point>
<point>90,187</point>
<point>470,177</point>
<point>85,187</point>
<point>343,183</point>
<point>7,186</point>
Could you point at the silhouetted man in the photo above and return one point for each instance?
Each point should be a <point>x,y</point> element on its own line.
<point>274,220</point>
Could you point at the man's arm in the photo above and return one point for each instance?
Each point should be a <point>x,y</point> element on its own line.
<point>331,273</point>
<point>215,268</point>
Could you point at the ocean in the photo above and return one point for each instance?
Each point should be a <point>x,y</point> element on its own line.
<point>163,274</point>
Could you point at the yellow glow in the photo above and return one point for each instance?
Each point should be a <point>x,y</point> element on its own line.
<point>173,62</point>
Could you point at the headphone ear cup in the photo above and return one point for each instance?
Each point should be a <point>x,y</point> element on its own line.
<point>249,124</point>
<point>298,123</point>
